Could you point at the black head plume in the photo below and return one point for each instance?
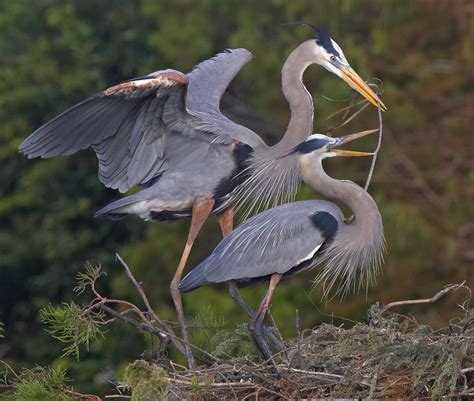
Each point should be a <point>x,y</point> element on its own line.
<point>322,37</point>
<point>315,29</point>
<point>324,40</point>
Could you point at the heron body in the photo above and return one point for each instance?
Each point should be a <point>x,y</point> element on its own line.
<point>219,168</point>
<point>284,240</point>
<point>165,132</point>
<point>297,236</point>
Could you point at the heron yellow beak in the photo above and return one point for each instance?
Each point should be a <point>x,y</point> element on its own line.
<point>353,137</point>
<point>350,153</point>
<point>358,84</point>
<point>349,138</point>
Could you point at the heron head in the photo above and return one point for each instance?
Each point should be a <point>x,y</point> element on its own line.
<point>322,146</point>
<point>327,53</point>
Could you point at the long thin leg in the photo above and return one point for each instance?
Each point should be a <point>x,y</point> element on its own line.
<point>235,295</point>
<point>226,221</point>
<point>256,323</point>
<point>200,213</point>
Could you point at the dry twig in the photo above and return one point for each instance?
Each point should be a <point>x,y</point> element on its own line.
<point>434,298</point>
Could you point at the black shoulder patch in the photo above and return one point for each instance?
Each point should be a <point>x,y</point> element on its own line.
<point>323,39</point>
<point>310,145</point>
<point>242,153</point>
<point>326,223</point>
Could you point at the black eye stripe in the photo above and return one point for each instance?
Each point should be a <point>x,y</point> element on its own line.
<point>311,145</point>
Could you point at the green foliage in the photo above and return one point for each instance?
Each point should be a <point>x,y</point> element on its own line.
<point>206,323</point>
<point>56,53</point>
<point>147,382</point>
<point>88,277</point>
<point>207,319</point>
<point>199,386</point>
<point>233,343</point>
<point>41,384</point>
<point>72,325</point>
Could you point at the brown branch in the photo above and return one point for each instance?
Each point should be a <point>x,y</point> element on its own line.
<point>139,325</point>
<point>80,396</point>
<point>9,368</point>
<point>434,298</point>
<point>131,306</point>
<point>140,291</point>
<point>169,330</point>
<point>156,331</point>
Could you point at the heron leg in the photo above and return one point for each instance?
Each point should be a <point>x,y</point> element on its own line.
<point>256,322</point>
<point>237,298</point>
<point>226,220</point>
<point>200,213</point>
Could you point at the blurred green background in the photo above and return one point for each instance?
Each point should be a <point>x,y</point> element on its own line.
<point>55,53</point>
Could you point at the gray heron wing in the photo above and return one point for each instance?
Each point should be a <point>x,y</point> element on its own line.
<point>127,126</point>
<point>209,79</point>
<point>207,83</point>
<point>274,241</point>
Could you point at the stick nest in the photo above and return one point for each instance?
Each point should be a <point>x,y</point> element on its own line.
<point>391,356</point>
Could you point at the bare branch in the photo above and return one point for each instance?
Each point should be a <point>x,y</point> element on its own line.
<point>150,310</point>
<point>434,298</point>
<point>155,331</point>
<point>139,325</point>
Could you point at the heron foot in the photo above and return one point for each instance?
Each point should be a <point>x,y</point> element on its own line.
<point>256,329</point>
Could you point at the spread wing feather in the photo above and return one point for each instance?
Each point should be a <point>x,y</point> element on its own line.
<point>126,125</point>
<point>209,79</point>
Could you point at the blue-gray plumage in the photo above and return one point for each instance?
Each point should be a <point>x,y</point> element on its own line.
<point>297,236</point>
<point>277,240</point>
<point>165,132</point>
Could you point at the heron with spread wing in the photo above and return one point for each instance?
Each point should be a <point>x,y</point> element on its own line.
<point>165,132</point>
<point>297,236</point>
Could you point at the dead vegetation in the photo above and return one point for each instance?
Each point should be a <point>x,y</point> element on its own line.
<point>391,356</point>
<point>388,356</point>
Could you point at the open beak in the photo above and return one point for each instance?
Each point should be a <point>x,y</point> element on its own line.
<point>349,138</point>
<point>350,153</point>
<point>357,83</point>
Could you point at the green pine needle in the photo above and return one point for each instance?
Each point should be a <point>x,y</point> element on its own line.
<point>70,324</point>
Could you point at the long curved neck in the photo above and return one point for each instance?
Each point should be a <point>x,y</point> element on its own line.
<point>275,179</point>
<point>301,102</point>
<point>363,206</point>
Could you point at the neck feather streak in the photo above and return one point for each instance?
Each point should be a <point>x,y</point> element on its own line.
<point>354,257</point>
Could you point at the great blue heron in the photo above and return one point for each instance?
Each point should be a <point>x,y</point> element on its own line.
<point>165,132</point>
<point>297,236</point>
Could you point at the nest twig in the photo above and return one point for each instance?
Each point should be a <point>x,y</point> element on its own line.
<point>392,356</point>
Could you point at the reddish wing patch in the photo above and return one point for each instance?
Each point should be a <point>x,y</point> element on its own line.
<point>162,80</point>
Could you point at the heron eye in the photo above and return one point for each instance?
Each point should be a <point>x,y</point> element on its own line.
<point>333,58</point>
